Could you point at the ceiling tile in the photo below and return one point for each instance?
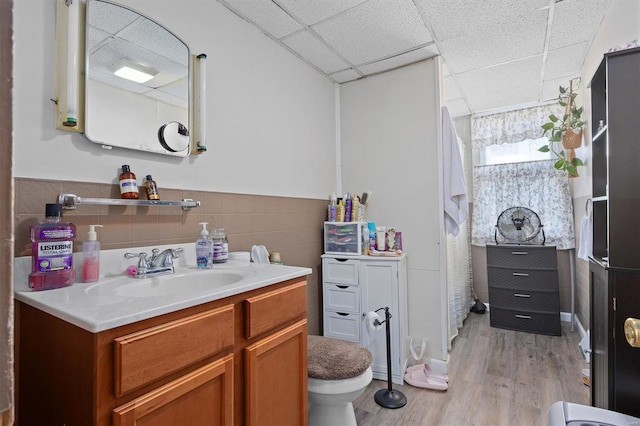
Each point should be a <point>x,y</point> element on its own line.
<point>399,60</point>
<point>576,21</point>
<point>457,108</point>
<point>266,15</point>
<point>565,62</point>
<point>513,40</point>
<point>313,11</point>
<point>345,75</point>
<point>445,70</point>
<point>502,99</point>
<point>451,19</point>
<point>313,50</point>
<point>502,78</point>
<point>550,88</point>
<point>375,29</point>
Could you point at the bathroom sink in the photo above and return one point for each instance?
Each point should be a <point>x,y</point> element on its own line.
<point>177,284</point>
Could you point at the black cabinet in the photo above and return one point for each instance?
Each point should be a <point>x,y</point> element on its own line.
<point>523,288</point>
<point>615,364</point>
<point>614,268</point>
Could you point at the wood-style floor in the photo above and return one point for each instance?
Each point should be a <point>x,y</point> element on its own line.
<point>497,377</point>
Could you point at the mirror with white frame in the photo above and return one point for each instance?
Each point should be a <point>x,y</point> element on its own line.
<point>137,83</point>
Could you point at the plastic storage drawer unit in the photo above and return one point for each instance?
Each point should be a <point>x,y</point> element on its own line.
<point>343,237</point>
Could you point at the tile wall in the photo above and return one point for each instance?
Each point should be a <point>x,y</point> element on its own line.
<point>291,226</point>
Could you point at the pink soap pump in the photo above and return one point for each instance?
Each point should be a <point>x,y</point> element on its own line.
<point>91,256</point>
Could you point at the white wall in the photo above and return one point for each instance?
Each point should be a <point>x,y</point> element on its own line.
<point>270,117</point>
<point>389,139</point>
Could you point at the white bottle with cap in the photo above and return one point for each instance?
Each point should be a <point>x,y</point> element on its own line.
<point>91,256</point>
<point>204,248</point>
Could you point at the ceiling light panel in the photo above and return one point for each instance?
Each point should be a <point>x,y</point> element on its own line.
<point>311,12</point>
<point>313,50</point>
<point>375,29</point>
<point>265,14</point>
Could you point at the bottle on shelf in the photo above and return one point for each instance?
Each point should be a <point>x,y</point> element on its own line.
<point>151,188</point>
<point>128,183</point>
<point>52,251</point>
<point>91,256</point>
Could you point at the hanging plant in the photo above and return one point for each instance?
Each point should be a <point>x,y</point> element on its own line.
<point>567,130</point>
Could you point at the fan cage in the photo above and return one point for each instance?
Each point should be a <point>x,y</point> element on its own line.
<point>519,225</point>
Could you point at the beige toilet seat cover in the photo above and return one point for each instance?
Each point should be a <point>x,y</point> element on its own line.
<point>332,359</point>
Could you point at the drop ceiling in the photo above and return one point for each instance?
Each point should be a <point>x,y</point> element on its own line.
<point>497,54</point>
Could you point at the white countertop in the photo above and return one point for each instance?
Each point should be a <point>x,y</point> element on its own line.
<point>100,306</point>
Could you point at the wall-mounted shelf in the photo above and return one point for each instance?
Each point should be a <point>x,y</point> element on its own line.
<point>70,201</point>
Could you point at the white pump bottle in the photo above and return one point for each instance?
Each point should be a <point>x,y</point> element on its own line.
<point>91,256</point>
<point>204,248</point>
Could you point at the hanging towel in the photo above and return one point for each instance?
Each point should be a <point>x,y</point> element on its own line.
<point>456,208</point>
<point>586,238</point>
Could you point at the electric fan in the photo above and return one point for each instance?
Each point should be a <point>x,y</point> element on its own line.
<point>519,225</point>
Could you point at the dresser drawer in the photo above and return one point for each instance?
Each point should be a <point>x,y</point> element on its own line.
<point>340,271</point>
<point>342,298</point>
<point>275,308</point>
<point>522,256</point>
<point>541,301</point>
<point>520,320</point>
<point>148,355</point>
<point>523,279</point>
<point>342,325</point>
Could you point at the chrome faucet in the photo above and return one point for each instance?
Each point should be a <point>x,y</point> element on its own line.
<point>161,263</point>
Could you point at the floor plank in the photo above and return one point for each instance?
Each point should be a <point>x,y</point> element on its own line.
<point>497,377</point>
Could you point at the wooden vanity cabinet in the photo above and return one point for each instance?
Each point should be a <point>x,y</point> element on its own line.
<point>238,360</point>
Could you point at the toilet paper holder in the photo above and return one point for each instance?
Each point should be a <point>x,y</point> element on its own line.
<point>388,398</point>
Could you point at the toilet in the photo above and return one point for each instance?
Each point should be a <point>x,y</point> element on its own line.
<point>338,372</point>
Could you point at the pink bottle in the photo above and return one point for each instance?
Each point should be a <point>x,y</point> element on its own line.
<point>52,251</point>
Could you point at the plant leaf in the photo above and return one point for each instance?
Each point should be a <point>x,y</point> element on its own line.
<point>547,126</point>
<point>577,162</point>
<point>544,148</point>
<point>559,164</point>
<point>571,169</point>
<point>553,118</point>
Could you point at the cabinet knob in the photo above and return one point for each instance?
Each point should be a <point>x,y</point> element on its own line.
<point>632,332</point>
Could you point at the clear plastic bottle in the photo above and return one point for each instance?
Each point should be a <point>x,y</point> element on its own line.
<point>220,246</point>
<point>52,251</point>
<point>128,183</point>
<point>91,256</point>
<point>151,188</point>
<point>204,248</point>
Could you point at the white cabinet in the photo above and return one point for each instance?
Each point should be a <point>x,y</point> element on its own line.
<point>354,286</point>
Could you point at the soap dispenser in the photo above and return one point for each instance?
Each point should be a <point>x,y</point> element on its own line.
<point>91,256</point>
<point>204,248</point>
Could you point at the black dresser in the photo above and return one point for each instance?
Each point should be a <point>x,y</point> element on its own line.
<point>523,288</point>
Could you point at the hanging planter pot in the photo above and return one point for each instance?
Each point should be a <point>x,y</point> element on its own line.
<point>572,138</point>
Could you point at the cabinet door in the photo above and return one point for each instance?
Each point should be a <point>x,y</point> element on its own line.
<point>601,319</point>
<point>626,374</point>
<point>276,378</point>
<point>379,288</point>
<point>202,397</point>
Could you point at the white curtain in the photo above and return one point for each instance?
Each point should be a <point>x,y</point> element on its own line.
<point>458,251</point>
<point>458,279</point>
<point>536,185</point>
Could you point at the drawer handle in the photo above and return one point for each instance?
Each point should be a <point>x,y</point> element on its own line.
<point>523,316</point>
<point>520,253</point>
<point>520,274</point>
<point>341,260</point>
<point>342,314</point>
<point>342,286</point>
<point>521,295</point>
